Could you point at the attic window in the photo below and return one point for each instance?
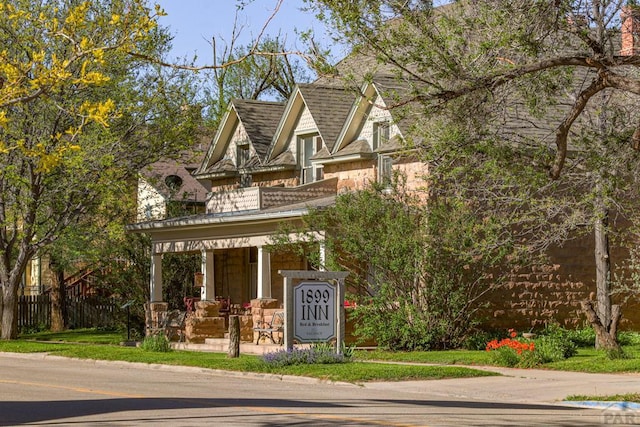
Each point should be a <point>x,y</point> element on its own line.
<point>174,182</point>
<point>380,134</point>
<point>242,154</point>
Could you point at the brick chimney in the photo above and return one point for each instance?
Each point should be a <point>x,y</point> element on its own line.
<point>630,40</point>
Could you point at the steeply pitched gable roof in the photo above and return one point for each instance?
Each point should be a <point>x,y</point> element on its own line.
<point>328,106</point>
<point>259,118</point>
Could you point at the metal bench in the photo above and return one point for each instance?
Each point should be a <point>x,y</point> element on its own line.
<point>267,329</point>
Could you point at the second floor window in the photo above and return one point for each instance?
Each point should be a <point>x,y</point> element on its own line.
<point>385,170</point>
<point>308,145</point>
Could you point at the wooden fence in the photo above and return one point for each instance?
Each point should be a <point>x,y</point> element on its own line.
<point>34,311</point>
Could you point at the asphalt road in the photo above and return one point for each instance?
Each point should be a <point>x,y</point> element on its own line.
<point>38,390</point>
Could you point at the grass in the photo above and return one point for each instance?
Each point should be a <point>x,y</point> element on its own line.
<point>586,360</point>
<point>628,397</point>
<point>91,345</point>
<point>446,357</point>
<point>596,361</point>
<point>92,336</point>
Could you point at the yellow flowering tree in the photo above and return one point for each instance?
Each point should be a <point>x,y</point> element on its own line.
<point>80,114</point>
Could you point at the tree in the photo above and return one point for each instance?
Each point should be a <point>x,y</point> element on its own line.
<point>79,114</point>
<point>418,271</point>
<point>496,76</point>
<point>270,75</point>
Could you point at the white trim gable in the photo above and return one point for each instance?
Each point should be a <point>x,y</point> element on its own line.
<point>282,137</point>
<point>356,118</point>
<point>220,142</point>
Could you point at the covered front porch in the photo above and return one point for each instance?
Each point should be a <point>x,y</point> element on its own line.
<point>238,274</point>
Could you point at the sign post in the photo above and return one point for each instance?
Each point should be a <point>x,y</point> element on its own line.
<point>314,307</point>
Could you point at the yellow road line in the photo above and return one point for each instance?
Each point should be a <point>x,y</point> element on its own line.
<point>78,389</point>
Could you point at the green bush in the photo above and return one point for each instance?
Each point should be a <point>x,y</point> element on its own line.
<point>629,338</point>
<point>478,340</point>
<point>557,343</point>
<point>551,348</point>
<point>157,343</point>
<point>583,337</point>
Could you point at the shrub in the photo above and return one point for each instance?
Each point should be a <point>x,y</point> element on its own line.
<point>317,354</point>
<point>584,337</point>
<point>158,343</point>
<point>552,349</point>
<point>558,342</point>
<point>478,340</point>
<point>629,338</point>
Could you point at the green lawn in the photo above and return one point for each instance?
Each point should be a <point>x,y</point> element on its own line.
<point>82,344</point>
<point>91,344</point>
<point>629,397</point>
<point>587,359</point>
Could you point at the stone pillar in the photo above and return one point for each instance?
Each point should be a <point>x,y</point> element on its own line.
<point>264,273</point>
<point>155,285</point>
<point>155,313</point>
<point>208,288</point>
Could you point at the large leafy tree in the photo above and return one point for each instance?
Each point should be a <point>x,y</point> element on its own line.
<point>419,271</point>
<point>259,70</point>
<point>547,82</point>
<point>79,115</point>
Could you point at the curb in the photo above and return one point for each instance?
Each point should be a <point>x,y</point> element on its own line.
<point>605,405</point>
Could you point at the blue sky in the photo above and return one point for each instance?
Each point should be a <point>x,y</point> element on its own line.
<point>194,22</point>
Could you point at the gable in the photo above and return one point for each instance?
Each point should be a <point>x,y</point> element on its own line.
<point>247,123</point>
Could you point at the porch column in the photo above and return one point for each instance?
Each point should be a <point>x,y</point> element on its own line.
<point>155,285</point>
<point>322,256</point>
<point>264,273</point>
<point>206,267</point>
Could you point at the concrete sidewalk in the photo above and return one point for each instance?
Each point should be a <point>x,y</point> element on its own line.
<point>526,386</point>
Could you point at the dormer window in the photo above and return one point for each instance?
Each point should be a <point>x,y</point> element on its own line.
<point>308,145</point>
<point>243,153</point>
<point>380,134</point>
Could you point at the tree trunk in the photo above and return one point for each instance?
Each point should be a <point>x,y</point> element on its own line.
<point>603,335</point>
<point>58,299</point>
<point>603,268</point>
<point>9,311</point>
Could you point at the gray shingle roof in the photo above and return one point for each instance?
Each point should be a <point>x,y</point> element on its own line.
<point>260,120</point>
<point>329,107</point>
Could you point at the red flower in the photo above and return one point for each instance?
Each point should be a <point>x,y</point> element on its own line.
<point>518,346</point>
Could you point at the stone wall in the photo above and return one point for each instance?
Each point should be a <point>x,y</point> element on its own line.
<point>552,292</point>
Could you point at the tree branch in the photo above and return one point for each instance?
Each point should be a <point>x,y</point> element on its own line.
<point>563,129</point>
